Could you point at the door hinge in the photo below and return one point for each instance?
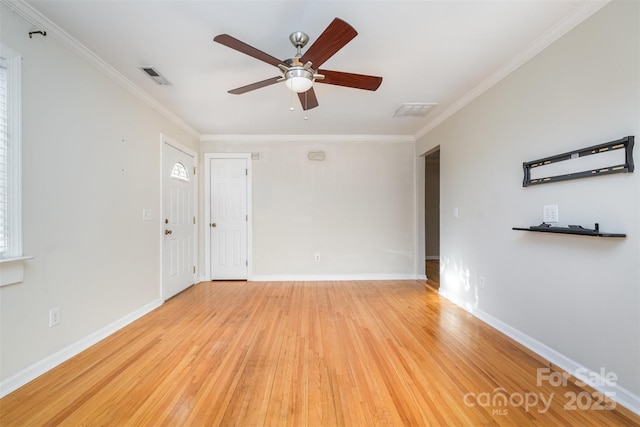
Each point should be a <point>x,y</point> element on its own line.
<point>246,172</point>
<point>246,263</point>
<point>246,217</point>
<point>194,170</point>
<point>194,219</point>
<point>194,269</point>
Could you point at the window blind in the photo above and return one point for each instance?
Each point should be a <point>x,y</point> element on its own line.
<point>4,161</point>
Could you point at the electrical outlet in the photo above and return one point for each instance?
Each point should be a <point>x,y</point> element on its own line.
<point>317,257</point>
<point>54,316</point>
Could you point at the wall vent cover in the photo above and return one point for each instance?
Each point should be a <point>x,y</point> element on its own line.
<point>414,109</point>
<point>155,75</point>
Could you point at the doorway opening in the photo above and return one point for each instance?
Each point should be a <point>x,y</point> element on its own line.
<point>432,217</point>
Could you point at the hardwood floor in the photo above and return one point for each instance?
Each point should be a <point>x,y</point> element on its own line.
<point>302,354</point>
<point>433,273</point>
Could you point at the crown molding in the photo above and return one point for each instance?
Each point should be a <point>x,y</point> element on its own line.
<point>580,14</point>
<point>34,17</point>
<point>308,138</point>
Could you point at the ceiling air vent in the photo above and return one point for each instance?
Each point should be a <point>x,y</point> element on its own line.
<point>414,109</point>
<point>155,75</point>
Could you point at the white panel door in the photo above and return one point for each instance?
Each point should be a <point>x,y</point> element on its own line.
<point>229,219</point>
<point>178,221</point>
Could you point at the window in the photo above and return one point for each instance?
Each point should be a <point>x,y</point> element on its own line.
<point>179,172</point>
<point>10,155</point>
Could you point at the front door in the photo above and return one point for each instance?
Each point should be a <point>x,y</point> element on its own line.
<point>228,222</point>
<point>178,220</point>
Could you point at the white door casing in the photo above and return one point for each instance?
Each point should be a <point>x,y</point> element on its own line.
<point>178,218</point>
<point>228,216</point>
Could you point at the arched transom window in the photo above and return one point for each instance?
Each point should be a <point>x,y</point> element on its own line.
<point>179,172</point>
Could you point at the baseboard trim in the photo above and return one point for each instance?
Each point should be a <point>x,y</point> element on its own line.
<point>592,379</point>
<point>331,277</point>
<point>325,277</point>
<point>33,371</point>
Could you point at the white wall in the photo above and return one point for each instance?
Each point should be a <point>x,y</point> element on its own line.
<point>579,296</point>
<point>91,158</point>
<point>355,208</point>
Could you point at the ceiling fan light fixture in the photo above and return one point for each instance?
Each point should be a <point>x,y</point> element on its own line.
<point>299,72</point>
<point>299,80</point>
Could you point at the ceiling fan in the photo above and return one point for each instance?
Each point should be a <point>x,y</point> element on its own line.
<point>300,72</point>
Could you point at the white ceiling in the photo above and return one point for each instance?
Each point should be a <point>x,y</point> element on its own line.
<point>441,52</point>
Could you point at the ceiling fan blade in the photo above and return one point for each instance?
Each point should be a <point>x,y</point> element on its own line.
<point>358,81</point>
<point>254,86</point>
<point>308,99</point>
<point>332,39</point>
<point>233,43</point>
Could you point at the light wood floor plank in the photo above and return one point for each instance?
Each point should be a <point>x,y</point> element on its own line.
<point>356,353</point>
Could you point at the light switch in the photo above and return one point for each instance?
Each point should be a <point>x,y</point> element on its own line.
<point>550,213</point>
<point>147,215</point>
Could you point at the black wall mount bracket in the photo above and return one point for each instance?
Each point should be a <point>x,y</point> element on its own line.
<point>626,165</point>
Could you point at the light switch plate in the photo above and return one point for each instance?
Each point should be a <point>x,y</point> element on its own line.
<point>550,213</point>
<point>147,215</point>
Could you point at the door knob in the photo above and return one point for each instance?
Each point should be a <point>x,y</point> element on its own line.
<point>167,232</point>
<point>213,224</point>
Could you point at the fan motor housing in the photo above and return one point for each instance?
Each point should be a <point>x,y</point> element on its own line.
<point>299,40</point>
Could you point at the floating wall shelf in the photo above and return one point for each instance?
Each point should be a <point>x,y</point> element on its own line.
<point>572,229</point>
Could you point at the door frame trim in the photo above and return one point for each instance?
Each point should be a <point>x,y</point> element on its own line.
<point>207,210</point>
<point>164,139</point>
